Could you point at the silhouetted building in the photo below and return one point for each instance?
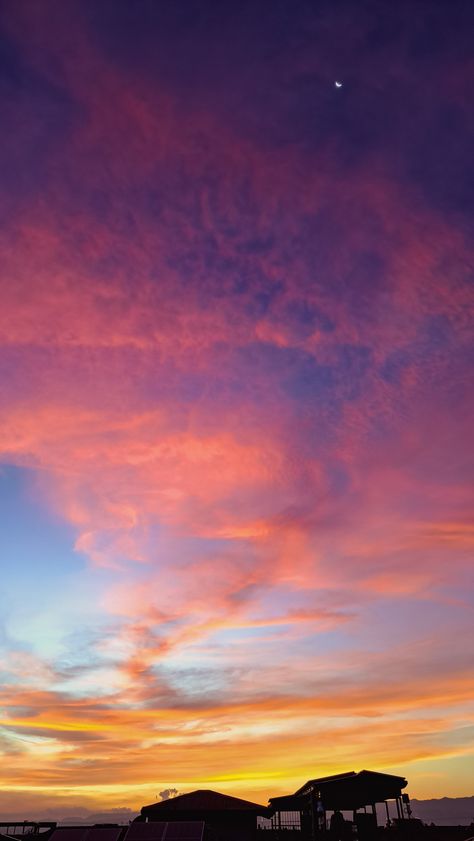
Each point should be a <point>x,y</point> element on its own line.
<point>225,818</point>
<point>353,792</point>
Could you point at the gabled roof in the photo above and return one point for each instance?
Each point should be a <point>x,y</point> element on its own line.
<point>204,800</point>
<point>319,780</point>
<point>349,778</point>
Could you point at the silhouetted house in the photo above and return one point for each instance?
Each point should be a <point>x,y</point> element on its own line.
<point>354,792</point>
<point>226,818</point>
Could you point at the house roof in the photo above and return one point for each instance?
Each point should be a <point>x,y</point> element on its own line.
<point>351,790</point>
<point>204,800</point>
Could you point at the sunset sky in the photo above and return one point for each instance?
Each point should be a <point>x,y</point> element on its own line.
<point>235,397</point>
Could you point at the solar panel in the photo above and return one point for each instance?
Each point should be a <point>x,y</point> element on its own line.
<point>151,831</point>
<point>70,833</point>
<point>184,831</point>
<point>105,833</point>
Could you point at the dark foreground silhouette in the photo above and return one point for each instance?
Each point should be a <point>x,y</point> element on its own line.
<point>355,806</point>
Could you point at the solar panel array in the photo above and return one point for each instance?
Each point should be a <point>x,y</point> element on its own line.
<point>151,831</point>
<point>170,831</point>
<point>71,833</point>
<point>184,831</point>
<point>137,831</point>
<point>105,833</point>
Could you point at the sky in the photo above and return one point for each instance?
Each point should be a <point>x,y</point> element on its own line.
<point>236,397</point>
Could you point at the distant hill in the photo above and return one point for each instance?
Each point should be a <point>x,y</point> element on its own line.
<point>447,811</point>
<point>121,816</point>
<point>73,816</point>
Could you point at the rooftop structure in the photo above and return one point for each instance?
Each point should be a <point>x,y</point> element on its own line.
<point>350,791</point>
<point>226,818</point>
<point>202,800</point>
<point>306,810</point>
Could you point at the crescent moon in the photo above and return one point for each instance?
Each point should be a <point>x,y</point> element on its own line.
<point>338,84</point>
